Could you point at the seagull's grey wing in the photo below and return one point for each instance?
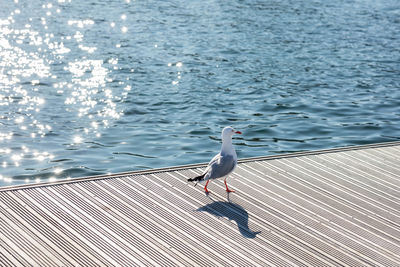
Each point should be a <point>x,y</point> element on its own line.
<point>221,166</point>
<point>212,161</point>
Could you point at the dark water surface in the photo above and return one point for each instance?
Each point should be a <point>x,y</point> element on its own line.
<point>94,87</point>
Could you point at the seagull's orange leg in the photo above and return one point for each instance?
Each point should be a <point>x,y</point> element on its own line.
<point>227,189</point>
<point>205,187</point>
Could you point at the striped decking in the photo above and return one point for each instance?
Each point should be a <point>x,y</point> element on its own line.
<point>337,207</point>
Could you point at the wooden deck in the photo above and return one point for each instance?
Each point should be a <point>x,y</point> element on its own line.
<point>338,207</point>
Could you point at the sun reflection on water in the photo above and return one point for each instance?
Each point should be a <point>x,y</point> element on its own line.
<point>45,73</point>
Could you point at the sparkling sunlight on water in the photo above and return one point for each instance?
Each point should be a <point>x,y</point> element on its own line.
<point>93,87</point>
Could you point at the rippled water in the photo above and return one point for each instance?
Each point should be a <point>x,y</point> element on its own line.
<point>93,87</point>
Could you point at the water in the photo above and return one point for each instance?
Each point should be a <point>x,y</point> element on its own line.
<point>94,87</point>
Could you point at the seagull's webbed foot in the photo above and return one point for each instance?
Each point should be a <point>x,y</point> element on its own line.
<point>227,189</point>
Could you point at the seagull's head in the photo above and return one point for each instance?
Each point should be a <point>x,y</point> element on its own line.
<point>228,132</point>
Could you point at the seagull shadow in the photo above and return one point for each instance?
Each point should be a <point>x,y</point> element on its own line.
<point>233,212</point>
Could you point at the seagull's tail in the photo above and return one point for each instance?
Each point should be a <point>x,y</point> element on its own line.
<point>197,178</point>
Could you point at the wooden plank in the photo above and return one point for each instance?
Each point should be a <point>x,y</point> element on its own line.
<point>335,207</point>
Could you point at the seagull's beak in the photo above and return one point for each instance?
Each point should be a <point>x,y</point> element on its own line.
<point>238,132</point>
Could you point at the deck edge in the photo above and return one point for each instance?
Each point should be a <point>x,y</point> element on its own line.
<point>196,165</point>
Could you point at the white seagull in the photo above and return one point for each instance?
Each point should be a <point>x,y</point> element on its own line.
<point>223,163</point>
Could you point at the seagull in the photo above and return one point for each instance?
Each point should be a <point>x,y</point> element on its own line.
<point>223,163</point>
